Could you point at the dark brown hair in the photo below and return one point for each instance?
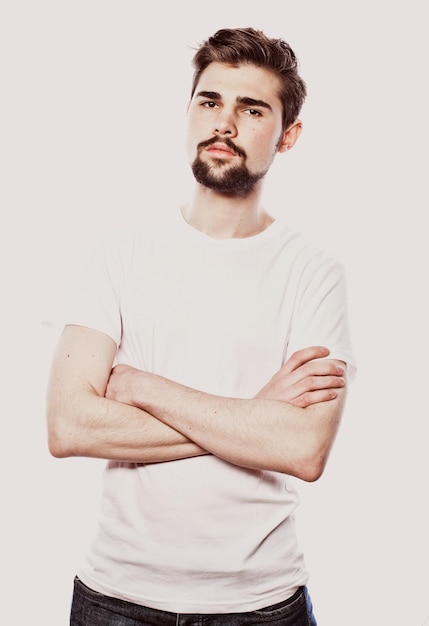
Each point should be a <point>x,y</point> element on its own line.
<point>238,46</point>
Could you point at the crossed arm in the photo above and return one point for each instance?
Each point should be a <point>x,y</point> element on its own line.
<point>130,415</point>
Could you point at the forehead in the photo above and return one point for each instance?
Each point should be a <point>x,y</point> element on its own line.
<point>240,81</point>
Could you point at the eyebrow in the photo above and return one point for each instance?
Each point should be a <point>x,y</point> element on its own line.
<point>214,95</point>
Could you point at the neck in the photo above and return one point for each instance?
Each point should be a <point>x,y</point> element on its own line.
<point>224,216</point>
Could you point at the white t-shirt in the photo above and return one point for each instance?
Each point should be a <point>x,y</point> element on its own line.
<point>201,535</point>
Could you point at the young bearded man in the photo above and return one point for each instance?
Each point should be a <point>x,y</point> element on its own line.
<point>206,360</point>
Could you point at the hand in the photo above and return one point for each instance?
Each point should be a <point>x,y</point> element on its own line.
<point>123,382</point>
<point>304,380</point>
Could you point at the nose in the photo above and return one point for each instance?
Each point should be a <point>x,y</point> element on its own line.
<point>225,123</point>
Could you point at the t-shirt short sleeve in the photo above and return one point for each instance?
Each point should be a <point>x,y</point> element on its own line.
<point>95,300</point>
<point>320,315</point>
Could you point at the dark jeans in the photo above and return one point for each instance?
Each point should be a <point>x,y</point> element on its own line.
<point>90,608</point>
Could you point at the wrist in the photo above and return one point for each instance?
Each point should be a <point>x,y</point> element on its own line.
<point>145,388</point>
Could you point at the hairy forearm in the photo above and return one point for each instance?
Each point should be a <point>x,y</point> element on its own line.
<point>130,415</point>
<point>83,422</point>
<point>96,427</point>
<point>256,433</point>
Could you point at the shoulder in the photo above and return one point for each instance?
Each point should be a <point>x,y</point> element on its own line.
<point>307,256</point>
<point>122,245</point>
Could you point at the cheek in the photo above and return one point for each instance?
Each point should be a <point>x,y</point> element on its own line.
<point>262,146</point>
<point>191,141</point>
<point>191,149</point>
<point>195,133</point>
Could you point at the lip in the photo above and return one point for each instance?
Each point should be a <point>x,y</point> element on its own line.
<point>220,149</point>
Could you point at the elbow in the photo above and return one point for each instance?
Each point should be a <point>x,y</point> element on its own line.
<point>60,439</point>
<point>312,471</point>
<point>58,449</point>
<point>311,467</point>
<point>314,454</point>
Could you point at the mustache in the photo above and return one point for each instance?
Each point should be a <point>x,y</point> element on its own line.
<point>230,144</point>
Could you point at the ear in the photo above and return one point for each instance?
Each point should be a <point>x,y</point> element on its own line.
<point>290,136</point>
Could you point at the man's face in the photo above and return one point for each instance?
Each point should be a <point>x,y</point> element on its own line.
<point>234,127</point>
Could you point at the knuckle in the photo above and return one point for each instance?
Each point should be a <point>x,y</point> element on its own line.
<point>305,399</point>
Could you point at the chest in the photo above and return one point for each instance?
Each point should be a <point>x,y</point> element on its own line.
<point>215,322</point>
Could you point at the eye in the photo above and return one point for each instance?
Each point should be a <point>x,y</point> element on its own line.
<point>209,104</point>
<point>253,112</point>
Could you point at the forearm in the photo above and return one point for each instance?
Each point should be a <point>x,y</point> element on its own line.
<point>93,426</point>
<point>257,433</point>
<point>83,422</point>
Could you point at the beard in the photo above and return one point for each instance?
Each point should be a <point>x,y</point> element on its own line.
<point>222,177</point>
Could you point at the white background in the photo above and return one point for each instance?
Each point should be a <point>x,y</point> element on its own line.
<point>92,119</point>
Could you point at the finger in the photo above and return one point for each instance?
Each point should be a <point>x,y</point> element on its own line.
<point>315,383</point>
<point>287,392</point>
<point>300,357</point>
<point>314,397</point>
<point>321,368</point>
